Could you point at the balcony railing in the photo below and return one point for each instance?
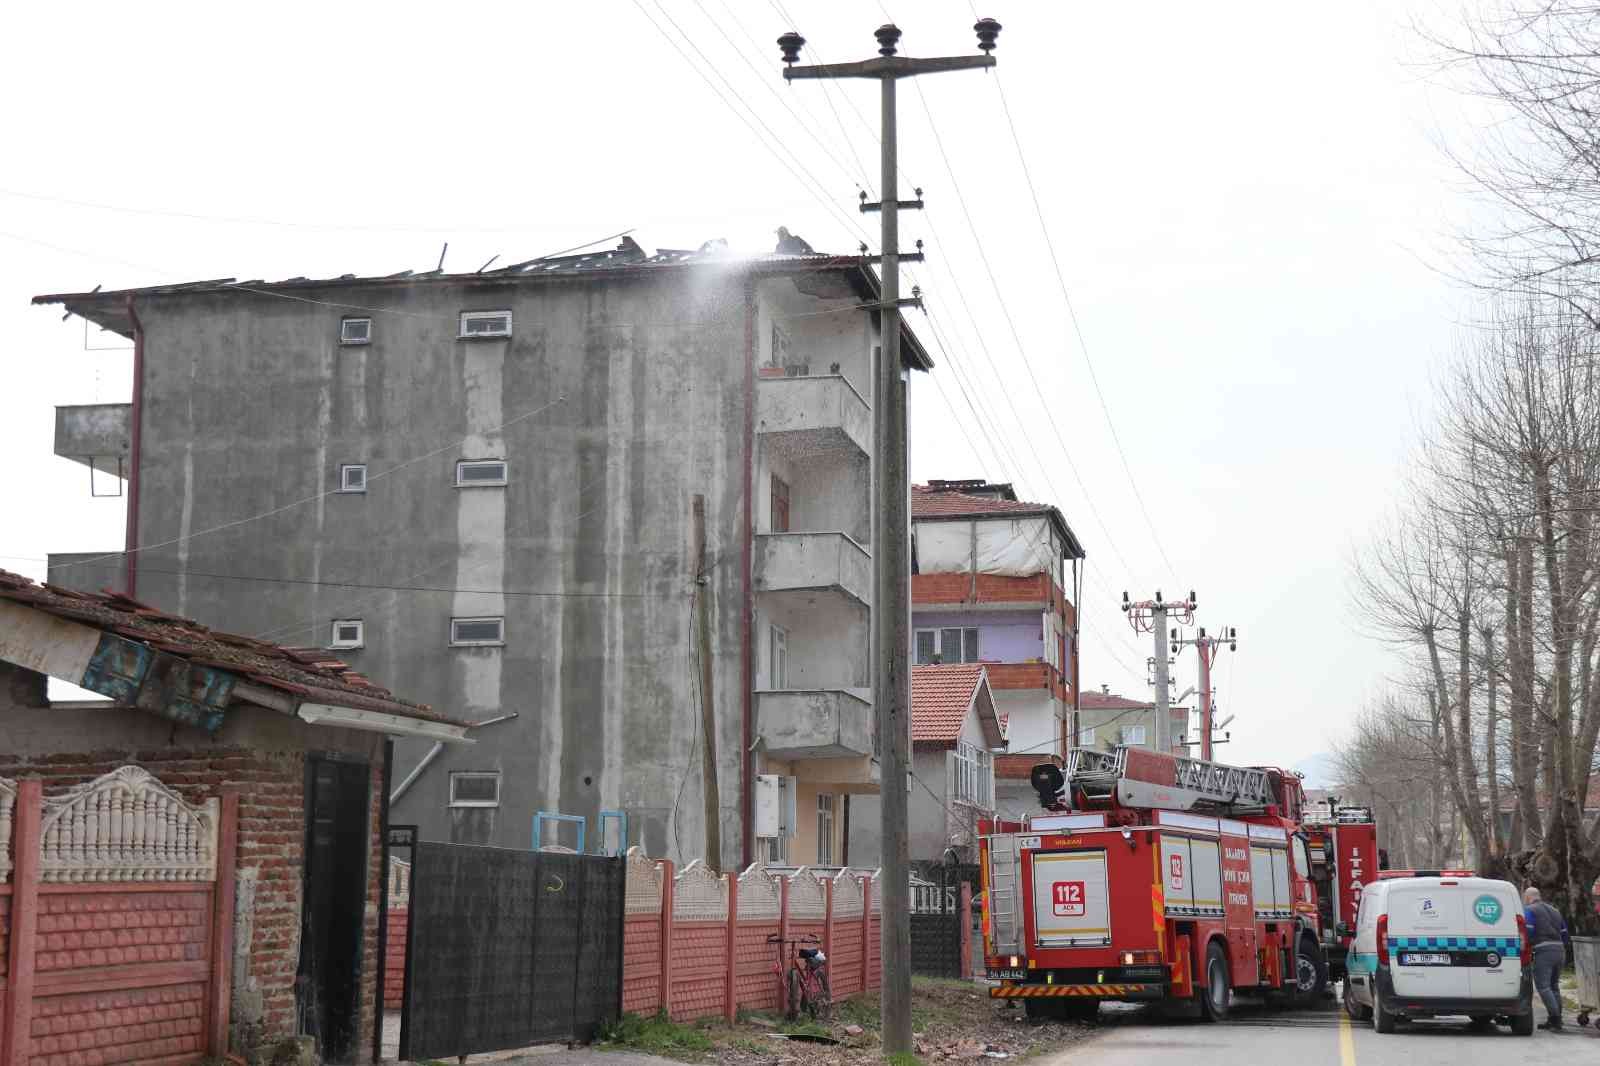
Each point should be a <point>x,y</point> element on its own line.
<point>813,723</point>
<point>814,413</point>
<point>802,562</point>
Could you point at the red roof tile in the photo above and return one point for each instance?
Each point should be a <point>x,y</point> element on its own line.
<point>940,699</point>
<point>1110,701</point>
<point>928,503</point>
<point>308,673</point>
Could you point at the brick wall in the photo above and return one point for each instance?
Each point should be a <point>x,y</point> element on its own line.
<point>394,967</point>
<point>959,587</point>
<point>271,835</point>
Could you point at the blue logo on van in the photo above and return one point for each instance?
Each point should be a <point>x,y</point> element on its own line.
<point>1486,909</point>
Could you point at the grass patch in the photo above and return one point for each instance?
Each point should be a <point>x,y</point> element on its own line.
<point>656,1034</point>
<point>902,1058</point>
<point>804,1027</point>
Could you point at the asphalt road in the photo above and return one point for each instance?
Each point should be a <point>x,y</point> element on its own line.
<point>1320,1036</point>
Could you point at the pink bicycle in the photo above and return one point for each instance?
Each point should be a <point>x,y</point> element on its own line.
<point>804,975</point>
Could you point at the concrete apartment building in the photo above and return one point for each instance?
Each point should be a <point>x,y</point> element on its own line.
<point>989,585</point>
<point>1106,720</point>
<point>479,489</point>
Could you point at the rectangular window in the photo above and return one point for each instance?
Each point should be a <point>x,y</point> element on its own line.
<point>780,346</point>
<point>355,331</point>
<point>780,505</point>
<point>969,646</point>
<point>486,323</point>
<point>471,632</point>
<point>947,646</point>
<point>348,633</point>
<point>480,472</point>
<point>777,657</point>
<point>353,477</point>
<point>824,829</point>
<point>973,777</point>
<point>927,646</point>
<point>475,789</point>
<point>768,850</point>
<point>1086,737</point>
<point>1133,734</point>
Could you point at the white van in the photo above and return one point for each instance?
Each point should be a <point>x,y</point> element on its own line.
<point>1429,945</point>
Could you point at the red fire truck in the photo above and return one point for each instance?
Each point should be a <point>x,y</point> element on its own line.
<point>1342,843</point>
<point>1152,877</point>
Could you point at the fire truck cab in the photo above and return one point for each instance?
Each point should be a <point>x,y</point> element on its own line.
<point>1152,877</point>
<point>1342,844</point>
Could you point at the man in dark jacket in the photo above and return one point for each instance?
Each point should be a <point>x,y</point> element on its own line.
<point>1547,934</point>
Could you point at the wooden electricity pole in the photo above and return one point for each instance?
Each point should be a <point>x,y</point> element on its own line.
<point>891,604</point>
<point>708,710</point>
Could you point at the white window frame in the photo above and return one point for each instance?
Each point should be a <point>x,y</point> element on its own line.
<point>777,665</point>
<point>463,464</point>
<point>358,641</point>
<point>974,776</point>
<point>457,775</point>
<point>483,316</point>
<point>1086,737</point>
<point>345,470</point>
<point>938,644</point>
<point>457,643</point>
<point>1135,735</point>
<point>344,331</point>
<point>826,813</point>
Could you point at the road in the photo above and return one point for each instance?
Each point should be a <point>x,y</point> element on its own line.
<point>1317,1037</point>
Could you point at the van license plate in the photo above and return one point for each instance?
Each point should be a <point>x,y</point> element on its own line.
<point>1424,960</point>
<point>1018,974</point>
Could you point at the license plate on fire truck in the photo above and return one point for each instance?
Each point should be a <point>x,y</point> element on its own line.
<point>1006,974</point>
<point>1424,960</point>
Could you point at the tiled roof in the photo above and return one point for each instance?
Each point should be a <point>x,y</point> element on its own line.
<point>309,674</point>
<point>1108,701</point>
<point>928,503</point>
<point>940,699</point>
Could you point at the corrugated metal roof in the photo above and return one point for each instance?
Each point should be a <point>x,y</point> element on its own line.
<point>109,308</point>
<point>307,673</point>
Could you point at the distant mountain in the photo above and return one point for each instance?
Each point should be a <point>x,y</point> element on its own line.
<point>1320,770</point>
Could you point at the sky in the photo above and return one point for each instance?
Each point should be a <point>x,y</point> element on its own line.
<point>1247,203</point>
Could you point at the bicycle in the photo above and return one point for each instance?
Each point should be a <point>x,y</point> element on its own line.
<point>807,985</point>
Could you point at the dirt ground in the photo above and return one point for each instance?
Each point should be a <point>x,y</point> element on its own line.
<point>950,1020</point>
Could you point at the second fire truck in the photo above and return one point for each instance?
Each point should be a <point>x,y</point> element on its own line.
<point>1154,877</point>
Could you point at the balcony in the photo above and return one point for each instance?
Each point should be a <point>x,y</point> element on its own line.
<point>813,562</point>
<point>95,435</point>
<point>813,723</point>
<point>810,414</point>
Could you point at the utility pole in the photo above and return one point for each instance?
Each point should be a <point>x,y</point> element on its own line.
<point>708,712</point>
<point>1206,647</point>
<point>1150,616</point>
<point>891,605</point>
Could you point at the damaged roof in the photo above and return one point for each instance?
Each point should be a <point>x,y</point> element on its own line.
<point>935,501</point>
<point>113,309</point>
<point>303,674</point>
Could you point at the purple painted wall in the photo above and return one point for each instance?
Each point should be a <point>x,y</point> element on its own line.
<point>1003,636</point>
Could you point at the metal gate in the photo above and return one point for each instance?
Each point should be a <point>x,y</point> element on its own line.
<point>509,948</point>
<point>938,925</point>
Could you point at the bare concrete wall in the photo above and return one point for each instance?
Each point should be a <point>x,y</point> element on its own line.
<point>613,404</point>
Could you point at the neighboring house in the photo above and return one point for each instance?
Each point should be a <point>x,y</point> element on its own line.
<point>482,489</point>
<point>171,826</point>
<point>956,733</point>
<point>1106,720</point>
<point>990,575</point>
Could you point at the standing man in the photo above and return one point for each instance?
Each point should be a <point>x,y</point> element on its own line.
<point>1547,933</point>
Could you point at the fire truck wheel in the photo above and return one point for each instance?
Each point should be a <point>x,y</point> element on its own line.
<point>1310,970</point>
<point>1216,994</point>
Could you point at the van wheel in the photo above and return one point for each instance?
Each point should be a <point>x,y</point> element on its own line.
<point>1358,1012</point>
<point>1310,970</point>
<point>1382,1018</point>
<point>1216,993</point>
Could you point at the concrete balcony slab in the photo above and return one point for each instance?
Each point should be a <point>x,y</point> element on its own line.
<point>95,434</point>
<point>813,562</point>
<point>813,414</point>
<point>813,723</point>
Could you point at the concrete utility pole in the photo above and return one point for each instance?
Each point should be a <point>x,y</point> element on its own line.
<point>891,544</point>
<point>708,713</point>
<point>1206,647</point>
<point>1150,616</point>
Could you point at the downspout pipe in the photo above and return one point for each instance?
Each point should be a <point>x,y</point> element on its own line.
<point>130,547</point>
<point>433,753</point>
<point>746,550</point>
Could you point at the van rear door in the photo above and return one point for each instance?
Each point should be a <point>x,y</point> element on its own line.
<point>1492,943</point>
<point>1071,904</point>
<point>1424,917</point>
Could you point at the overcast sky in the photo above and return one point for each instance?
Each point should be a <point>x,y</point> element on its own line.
<point>1247,201</point>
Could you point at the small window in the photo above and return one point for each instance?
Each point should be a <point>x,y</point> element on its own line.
<point>780,505</point>
<point>353,477</point>
<point>477,631</point>
<point>348,633</point>
<point>475,789</point>
<point>824,829</point>
<point>355,331</point>
<point>486,323</point>
<point>1086,737</point>
<point>777,657</point>
<point>927,646</point>
<point>480,472</point>
<point>1133,734</point>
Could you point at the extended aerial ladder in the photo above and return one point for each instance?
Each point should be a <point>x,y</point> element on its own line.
<point>1138,778</point>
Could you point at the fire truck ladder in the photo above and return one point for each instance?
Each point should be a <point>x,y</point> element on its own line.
<point>1207,784</point>
<point>1005,859</point>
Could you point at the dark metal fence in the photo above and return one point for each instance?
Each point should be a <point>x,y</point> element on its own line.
<point>509,948</point>
<point>938,925</point>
